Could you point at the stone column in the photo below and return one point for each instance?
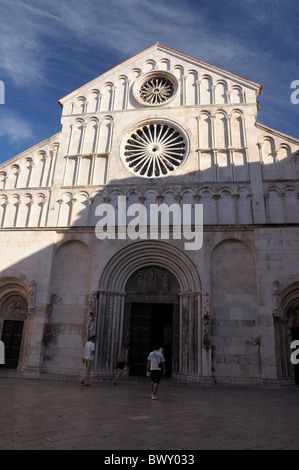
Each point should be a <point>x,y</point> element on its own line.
<point>70,138</point>
<point>213,88</point>
<point>109,329</point>
<point>184,78</point>
<point>197,92</point>
<point>2,222</point>
<point>127,89</point>
<point>206,335</point>
<point>113,90</point>
<point>54,152</point>
<point>96,147</point>
<point>229,130</point>
<point>99,102</point>
<point>73,201</point>
<point>82,138</point>
<point>212,120</point>
<point>189,354</point>
<point>110,137</point>
<point>243,129</point>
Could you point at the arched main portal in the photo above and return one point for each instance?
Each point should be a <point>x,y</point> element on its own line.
<point>193,357</point>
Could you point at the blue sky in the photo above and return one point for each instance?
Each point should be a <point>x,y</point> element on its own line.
<point>49,49</point>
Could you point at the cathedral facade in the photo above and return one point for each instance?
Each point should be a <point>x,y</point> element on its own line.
<point>80,254</point>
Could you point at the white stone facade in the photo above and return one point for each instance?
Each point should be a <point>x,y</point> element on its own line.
<point>233,304</point>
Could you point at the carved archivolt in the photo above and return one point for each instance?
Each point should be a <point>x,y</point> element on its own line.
<point>14,289</point>
<point>148,253</point>
<point>14,302</point>
<point>152,280</point>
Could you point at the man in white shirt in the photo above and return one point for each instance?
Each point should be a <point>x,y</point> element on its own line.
<point>155,367</point>
<point>88,357</point>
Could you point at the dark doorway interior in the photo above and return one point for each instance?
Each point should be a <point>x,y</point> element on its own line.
<point>12,337</point>
<point>295,336</point>
<point>150,323</point>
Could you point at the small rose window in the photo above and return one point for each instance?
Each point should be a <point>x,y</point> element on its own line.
<point>155,88</point>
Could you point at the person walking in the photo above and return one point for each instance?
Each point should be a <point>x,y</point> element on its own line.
<point>123,363</point>
<point>88,358</point>
<point>155,368</point>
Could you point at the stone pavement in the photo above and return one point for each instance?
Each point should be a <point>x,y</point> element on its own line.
<point>53,415</point>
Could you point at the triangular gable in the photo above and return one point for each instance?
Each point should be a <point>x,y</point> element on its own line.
<point>167,50</point>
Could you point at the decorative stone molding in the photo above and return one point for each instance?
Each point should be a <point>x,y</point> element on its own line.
<point>14,288</point>
<point>206,321</point>
<point>92,312</point>
<point>33,292</point>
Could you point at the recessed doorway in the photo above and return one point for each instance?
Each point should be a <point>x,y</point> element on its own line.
<point>151,315</point>
<point>12,338</point>
<point>150,323</point>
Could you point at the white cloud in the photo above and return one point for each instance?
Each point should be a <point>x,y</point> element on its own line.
<point>46,42</point>
<point>31,35</point>
<point>14,129</point>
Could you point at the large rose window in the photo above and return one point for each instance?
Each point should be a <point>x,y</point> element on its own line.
<point>154,149</point>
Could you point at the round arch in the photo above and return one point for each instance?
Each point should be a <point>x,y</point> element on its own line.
<point>193,357</point>
<point>145,253</point>
<point>15,320</point>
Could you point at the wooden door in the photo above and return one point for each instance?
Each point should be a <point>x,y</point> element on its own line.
<point>149,324</point>
<point>140,338</point>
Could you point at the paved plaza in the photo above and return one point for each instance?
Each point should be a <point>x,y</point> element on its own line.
<point>53,415</point>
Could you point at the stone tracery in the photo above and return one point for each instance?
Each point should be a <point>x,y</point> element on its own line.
<point>156,90</point>
<point>154,149</point>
